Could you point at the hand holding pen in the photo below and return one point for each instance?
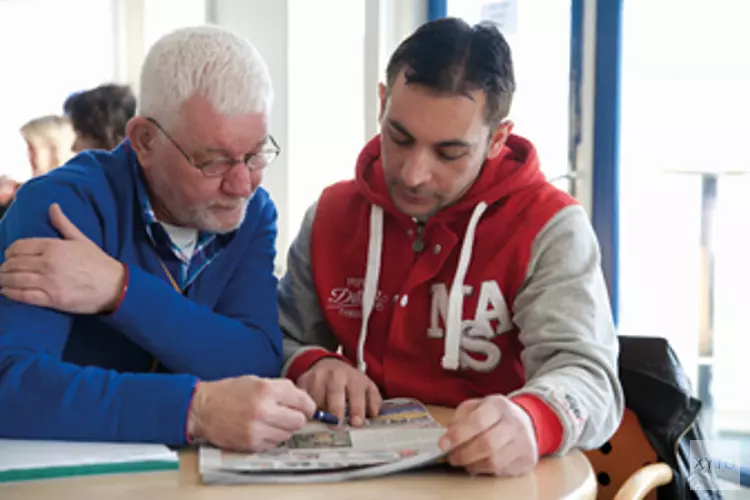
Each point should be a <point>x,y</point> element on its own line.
<point>335,385</point>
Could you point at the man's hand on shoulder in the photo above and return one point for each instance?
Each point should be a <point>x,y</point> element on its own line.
<point>332,382</point>
<point>492,435</point>
<point>248,413</point>
<point>70,274</point>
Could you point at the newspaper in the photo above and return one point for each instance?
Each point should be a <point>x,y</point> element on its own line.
<point>403,436</point>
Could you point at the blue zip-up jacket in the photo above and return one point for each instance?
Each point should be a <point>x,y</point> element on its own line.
<point>78,377</point>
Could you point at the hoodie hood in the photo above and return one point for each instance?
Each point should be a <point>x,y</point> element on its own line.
<point>516,168</point>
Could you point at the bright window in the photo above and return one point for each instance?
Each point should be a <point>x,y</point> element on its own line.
<point>538,32</point>
<point>51,48</point>
<point>685,108</point>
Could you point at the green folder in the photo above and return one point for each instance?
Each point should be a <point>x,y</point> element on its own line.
<point>84,470</point>
<point>34,460</point>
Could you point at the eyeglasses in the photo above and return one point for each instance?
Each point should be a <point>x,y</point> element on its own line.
<point>220,166</point>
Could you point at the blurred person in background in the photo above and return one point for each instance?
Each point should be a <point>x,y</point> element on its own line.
<point>100,115</point>
<point>49,144</point>
<point>49,140</point>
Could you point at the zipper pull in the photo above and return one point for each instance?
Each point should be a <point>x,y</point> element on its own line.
<point>418,244</point>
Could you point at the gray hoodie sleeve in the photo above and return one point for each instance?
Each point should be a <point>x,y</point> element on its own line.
<point>300,317</point>
<point>570,342</point>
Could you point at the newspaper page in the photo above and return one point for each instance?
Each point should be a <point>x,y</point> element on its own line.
<point>403,432</point>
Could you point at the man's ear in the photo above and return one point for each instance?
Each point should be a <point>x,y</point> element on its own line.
<point>142,134</point>
<point>499,138</point>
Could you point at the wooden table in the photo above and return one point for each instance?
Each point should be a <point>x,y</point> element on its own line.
<point>570,478</point>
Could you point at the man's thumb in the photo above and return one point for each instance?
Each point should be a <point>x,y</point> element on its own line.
<point>465,408</point>
<point>67,229</point>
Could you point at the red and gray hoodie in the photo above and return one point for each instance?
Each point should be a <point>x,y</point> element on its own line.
<point>499,293</point>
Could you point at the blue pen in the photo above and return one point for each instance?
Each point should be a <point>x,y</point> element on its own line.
<point>325,417</point>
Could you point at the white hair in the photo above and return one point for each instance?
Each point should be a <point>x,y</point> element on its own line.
<point>216,63</point>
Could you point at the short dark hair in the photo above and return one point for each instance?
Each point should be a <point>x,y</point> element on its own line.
<point>102,113</point>
<point>449,55</point>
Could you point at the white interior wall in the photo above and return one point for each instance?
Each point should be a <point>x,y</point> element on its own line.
<point>266,25</point>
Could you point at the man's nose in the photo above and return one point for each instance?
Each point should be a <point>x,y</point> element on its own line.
<point>240,182</point>
<point>416,169</point>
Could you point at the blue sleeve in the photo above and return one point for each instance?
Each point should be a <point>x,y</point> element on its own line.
<point>241,336</point>
<point>43,397</point>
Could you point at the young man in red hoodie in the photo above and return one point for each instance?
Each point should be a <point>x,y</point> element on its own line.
<point>449,270</point>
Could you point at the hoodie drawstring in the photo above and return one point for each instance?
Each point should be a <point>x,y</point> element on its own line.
<point>452,352</point>
<point>372,276</point>
<point>456,296</point>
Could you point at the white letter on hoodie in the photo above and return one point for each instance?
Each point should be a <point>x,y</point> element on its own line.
<point>477,334</point>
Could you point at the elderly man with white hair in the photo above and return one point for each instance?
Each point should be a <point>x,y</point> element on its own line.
<point>137,287</point>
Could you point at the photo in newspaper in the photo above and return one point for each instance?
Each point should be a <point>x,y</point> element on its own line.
<point>403,429</point>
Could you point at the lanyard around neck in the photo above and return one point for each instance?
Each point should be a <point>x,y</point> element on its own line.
<point>173,282</point>
<point>171,279</point>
